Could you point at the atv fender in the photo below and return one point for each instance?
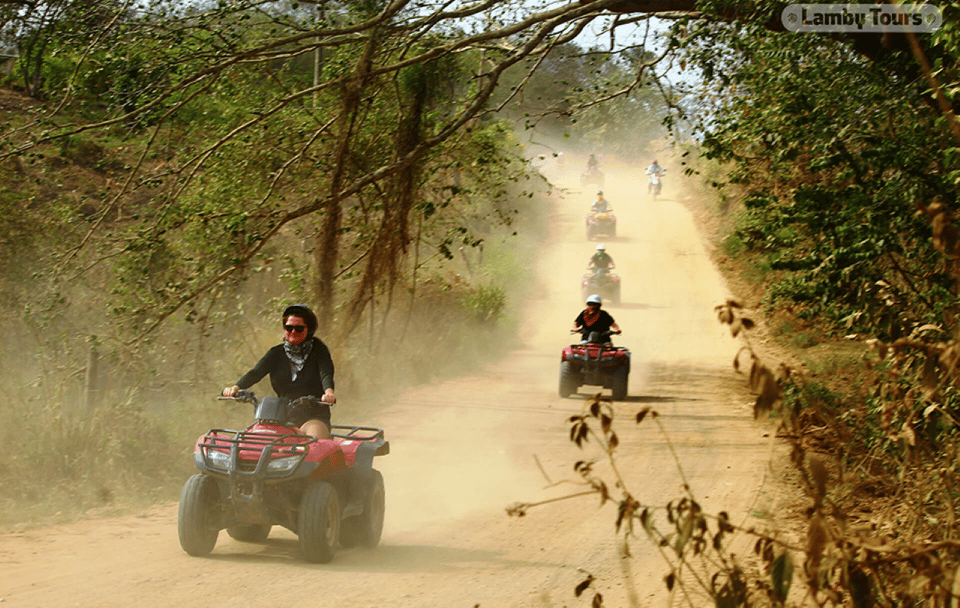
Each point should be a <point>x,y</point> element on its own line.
<point>361,475</point>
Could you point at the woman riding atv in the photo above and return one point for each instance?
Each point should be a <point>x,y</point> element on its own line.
<point>299,367</point>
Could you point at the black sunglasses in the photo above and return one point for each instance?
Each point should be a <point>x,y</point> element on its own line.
<point>295,329</point>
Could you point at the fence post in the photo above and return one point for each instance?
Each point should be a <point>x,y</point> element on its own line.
<point>90,381</point>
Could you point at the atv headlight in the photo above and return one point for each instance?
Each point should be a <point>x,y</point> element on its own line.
<point>286,463</point>
<point>217,459</point>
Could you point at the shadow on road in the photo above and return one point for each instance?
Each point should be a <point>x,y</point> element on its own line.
<point>632,306</point>
<point>385,558</point>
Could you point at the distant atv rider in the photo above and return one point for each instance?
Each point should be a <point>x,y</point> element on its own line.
<point>592,164</point>
<point>601,261</point>
<point>601,205</point>
<point>299,367</point>
<point>593,319</point>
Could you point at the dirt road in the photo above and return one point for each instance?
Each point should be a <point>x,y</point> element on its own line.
<point>464,449</point>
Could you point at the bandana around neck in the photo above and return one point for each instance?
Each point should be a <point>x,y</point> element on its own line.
<point>297,353</point>
<point>590,316</point>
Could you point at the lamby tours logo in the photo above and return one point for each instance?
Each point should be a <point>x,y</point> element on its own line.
<point>861,18</point>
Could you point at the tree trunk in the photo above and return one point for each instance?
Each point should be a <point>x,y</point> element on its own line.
<point>329,237</point>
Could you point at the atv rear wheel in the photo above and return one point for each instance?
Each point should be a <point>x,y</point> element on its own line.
<point>367,528</point>
<point>620,377</point>
<point>198,518</point>
<point>253,533</point>
<point>318,524</point>
<point>569,379</point>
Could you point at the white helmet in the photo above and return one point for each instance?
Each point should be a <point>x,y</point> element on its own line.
<point>601,247</point>
<point>595,299</point>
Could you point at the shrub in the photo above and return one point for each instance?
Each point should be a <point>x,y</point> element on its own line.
<point>485,302</point>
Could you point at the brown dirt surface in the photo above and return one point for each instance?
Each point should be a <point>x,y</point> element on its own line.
<point>464,449</point>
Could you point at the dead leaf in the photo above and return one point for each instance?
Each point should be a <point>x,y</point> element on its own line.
<point>725,315</point>
<point>583,585</point>
<point>735,327</point>
<point>930,381</point>
<point>907,434</point>
<point>816,543</point>
<point>923,328</point>
<point>879,346</point>
<point>954,601</point>
<point>945,234</point>
<point>820,476</point>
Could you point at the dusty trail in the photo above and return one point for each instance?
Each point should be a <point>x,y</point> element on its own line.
<point>463,450</point>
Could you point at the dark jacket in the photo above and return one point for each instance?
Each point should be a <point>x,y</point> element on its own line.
<point>602,324</point>
<point>602,260</point>
<point>315,377</point>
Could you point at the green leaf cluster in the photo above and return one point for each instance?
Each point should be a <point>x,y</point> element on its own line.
<point>836,154</point>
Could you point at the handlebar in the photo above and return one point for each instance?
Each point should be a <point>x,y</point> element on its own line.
<point>245,396</point>
<point>242,395</point>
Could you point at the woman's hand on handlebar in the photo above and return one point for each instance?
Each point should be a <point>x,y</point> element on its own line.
<point>230,391</point>
<point>328,397</point>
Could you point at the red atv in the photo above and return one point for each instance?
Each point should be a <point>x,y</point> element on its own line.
<point>602,282</point>
<point>595,361</point>
<point>325,491</point>
<point>592,176</point>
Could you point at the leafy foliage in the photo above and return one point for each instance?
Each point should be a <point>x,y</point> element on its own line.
<point>834,151</point>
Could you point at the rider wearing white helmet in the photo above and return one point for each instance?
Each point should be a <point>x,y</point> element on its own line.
<point>593,318</point>
<point>601,260</point>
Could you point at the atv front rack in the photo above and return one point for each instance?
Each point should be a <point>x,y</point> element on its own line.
<point>251,452</point>
<point>592,356</point>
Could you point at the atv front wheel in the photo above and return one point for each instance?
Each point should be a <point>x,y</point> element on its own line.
<point>569,379</point>
<point>253,533</point>
<point>620,377</point>
<point>198,518</point>
<point>318,524</point>
<point>366,529</point>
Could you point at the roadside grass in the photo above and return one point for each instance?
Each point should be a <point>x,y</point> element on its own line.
<point>135,449</point>
<point>879,421</point>
<point>133,446</point>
